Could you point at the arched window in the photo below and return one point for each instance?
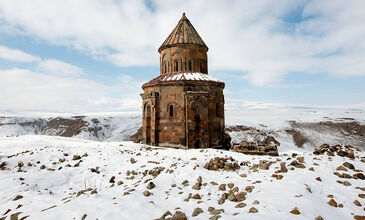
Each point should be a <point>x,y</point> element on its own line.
<point>176,65</point>
<point>190,67</point>
<point>171,110</point>
<point>165,67</point>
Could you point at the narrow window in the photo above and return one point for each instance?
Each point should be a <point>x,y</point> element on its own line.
<point>171,110</point>
<point>201,67</point>
<point>217,109</point>
<point>190,66</point>
<point>176,66</point>
<point>165,67</point>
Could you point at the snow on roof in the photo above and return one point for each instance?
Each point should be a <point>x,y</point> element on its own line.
<point>183,76</point>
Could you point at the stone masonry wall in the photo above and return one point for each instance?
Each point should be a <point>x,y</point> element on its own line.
<point>194,122</point>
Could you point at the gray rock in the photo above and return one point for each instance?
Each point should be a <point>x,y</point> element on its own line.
<point>197,211</point>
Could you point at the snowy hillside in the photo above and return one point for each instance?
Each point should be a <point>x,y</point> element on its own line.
<point>293,126</point>
<point>45,177</point>
<point>91,126</point>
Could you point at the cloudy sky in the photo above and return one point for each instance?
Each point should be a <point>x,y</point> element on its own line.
<point>91,56</point>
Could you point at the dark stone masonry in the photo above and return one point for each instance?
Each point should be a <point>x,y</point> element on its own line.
<point>184,106</point>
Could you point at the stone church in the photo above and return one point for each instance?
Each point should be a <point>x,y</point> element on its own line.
<point>184,106</point>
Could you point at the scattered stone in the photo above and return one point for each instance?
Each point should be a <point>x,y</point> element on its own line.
<point>346,183</point>
<point>296,164</point>
<point>359,217</point>
<point>227,164</point>
<point>357,203</point>
<point>17,197</point>
<point>295,211</point>
<point>249,188</point>
<point>222,187</point>
<point>112,179</point>
<point>278,177</point>
<point>76,157</point>
<point>185,183</point>
<point>300,159</point>
<point>283,168</point>
<point>253,210</point>
<point>332,202</point>
<point>362,196</point>
<point>215,217</point>
<point>133,160</point>
<point>150,185</point>
<point>348,165</point>
<point>7,211</point>
<point>156,171</point>
<point>14,216</point>
<point>95,170</point>
<point>319,218</point>
<point>319,179</point>
<point>240,196</point>
<point>264,164</point>
<point>197,211</point>
<point>42,167</point>
<point>358,176</point>
<point>20,164</point>
<point>146,193</point>
<point>3,166</point>
<point>93,192</point>
<point>196,186</point>
<point>230,185</point>
<point>221,201</point>
<point>77,164</point>
<point>240,205</point>
<point>196,196</point>
<point>179,216</point>
<point>232,198</point>
<point>165,215</point>
<point>341,168</point>
<point>256,202</point>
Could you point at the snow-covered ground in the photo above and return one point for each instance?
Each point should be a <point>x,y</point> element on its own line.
<point>60,191</point>
<point>50,186</point>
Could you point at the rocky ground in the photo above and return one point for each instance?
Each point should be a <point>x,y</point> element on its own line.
<point>43,177</point>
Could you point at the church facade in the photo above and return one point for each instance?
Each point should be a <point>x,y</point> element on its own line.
<point>184,106</point>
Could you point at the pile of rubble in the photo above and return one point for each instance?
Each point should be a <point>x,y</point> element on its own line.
<point>248,147</point>
<point>343,151</point>
<point>226,163</point>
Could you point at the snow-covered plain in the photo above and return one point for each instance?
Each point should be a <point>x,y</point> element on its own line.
<point>56,192</point>
<point>52,187</point>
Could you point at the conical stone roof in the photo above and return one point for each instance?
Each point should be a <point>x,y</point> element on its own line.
<point>183,33</point>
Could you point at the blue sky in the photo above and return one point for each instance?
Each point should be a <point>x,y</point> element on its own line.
<point>291,52</point>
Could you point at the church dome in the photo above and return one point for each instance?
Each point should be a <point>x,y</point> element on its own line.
<point>183,33</point>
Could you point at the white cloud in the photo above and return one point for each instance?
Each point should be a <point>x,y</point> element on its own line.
<point>252,37</point>
<point>25,90</point>
<point>57,67</point>
<point>16,55</point>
